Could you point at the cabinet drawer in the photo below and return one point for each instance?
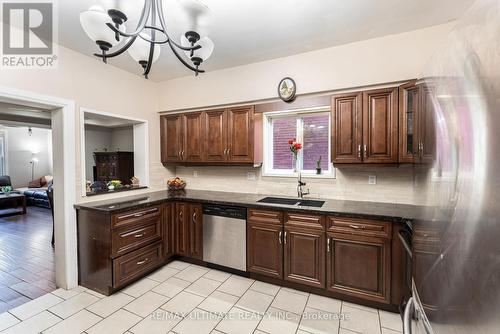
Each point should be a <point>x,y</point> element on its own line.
<point>265,216</point>
<point>307,221</point>
<point>134,264</point>
<point>362,227</point>
<point>131,237</point>
<point>137,216</point>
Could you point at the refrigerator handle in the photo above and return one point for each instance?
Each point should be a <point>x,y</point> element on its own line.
<point>407,316</point>
<point>405,243</point>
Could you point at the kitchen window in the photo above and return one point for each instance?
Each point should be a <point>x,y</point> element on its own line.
<point>311,128</point>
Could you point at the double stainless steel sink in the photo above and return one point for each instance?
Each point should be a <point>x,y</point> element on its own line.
<point>292,201</point>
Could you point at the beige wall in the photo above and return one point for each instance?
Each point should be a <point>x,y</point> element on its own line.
<point>381,60</point>
<point>94,85</point>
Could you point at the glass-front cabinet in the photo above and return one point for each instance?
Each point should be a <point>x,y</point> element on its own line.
<point>408,126</point>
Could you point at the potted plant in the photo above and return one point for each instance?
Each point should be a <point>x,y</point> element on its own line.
<point>318,166</point>
<point>114,184</point>
<point>295,149</point>
<point>6,190</point>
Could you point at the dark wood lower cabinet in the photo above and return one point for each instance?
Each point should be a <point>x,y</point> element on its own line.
<point>305,256</point>
<point>264,243</point>
<point>345,258</point>
<point>359,266</point>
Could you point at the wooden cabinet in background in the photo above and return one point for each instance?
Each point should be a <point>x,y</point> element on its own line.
<point>264,243</point>
<point>347,128</point>
<point>114,166</point>
<point>359,258</point>
<point>365,127</point>
<point>188,227</point>
<point>427,125</point>
<point>304,249</point>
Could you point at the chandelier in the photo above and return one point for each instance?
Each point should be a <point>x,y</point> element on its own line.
<point>107,30</point>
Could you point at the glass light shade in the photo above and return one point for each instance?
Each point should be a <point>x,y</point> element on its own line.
<point>206,50</point>
<point>139,50</point>
<point>94,22</point>
<point>196,16</point>
<point>207,47</point>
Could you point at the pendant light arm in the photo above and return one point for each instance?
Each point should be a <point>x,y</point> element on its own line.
<point>120,51</point>
<point>194,69</point>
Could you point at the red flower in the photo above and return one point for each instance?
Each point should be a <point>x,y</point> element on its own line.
<point>290,142</point>
<point>297,146</point>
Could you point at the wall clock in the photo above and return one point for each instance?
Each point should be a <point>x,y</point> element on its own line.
<point>287,89</point>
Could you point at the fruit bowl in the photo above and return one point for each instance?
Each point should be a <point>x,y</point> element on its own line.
<point>176,184</point>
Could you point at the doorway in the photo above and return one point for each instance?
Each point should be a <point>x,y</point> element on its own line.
<point>64,132</point>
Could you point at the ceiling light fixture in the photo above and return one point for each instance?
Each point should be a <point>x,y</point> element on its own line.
<point>143,44</point>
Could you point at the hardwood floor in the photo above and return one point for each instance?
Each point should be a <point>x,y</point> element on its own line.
<point>26,257</point>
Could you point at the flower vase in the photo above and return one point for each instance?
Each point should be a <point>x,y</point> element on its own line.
<point>296,167</point>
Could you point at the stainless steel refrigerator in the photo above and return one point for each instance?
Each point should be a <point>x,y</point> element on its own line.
<point>456,240</point>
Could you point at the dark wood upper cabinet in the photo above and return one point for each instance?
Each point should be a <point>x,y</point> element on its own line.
<point>172,138</point>
<point>427,127</point>
<point>347,128</point>
<point>380,126</point>
<point>240,134</point>
<point>216,135</point>
<point>193,137</point>
<point>195,231</point>
<point>409,106</point>
<point>264,243</point>
<point>304,250</point>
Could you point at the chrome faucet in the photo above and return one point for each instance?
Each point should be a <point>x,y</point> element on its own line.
<point>300,192</point>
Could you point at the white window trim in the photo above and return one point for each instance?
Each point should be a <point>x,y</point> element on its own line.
<point>268,148</point>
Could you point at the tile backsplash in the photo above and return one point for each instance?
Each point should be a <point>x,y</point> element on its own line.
<point>398,184</point>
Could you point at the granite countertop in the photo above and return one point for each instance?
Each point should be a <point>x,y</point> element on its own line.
<point>361,209</point>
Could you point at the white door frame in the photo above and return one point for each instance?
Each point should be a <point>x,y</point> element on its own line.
<point>141,146</point>
<point>64,146</point>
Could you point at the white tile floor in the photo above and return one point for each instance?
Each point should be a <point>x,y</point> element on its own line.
<point>187,299</point>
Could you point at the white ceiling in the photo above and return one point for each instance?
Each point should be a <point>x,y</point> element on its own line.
<point>256,30</point>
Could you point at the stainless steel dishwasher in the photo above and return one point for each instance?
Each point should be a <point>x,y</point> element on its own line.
<point>224,236</point>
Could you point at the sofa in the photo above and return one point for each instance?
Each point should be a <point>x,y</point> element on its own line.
<point>36,192</point>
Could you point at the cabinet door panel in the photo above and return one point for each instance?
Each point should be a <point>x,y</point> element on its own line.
<point>181,224</point>
<point>346,128</point>
<point>196,231</point>
<point>265,251</point>
<point>168,230</point>
<point>359,266</point>
<point>408,123</point>
<point>216,136</point>
<point>194,140</point>
<point>171,138</point>
<point>240,134</point>
<point>305,256</point>
<point>380,126</point>
<point>427,125</point>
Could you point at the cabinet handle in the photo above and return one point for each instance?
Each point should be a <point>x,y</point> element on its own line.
<point>194,217</point>
<point>279,237</point>
<point>139,214</point>
<point>180,214</point>
<point>364,151</point>
<point>359,151</point>
<point>357,227</point>
<point>284,239</point>
<point>180,153</point>
<point>228,151</point>
<point>328,245</point>
<point>140,235</point>
<point>142,262</point>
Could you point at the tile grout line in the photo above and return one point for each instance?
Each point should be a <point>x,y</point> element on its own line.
<point>302,315</point>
